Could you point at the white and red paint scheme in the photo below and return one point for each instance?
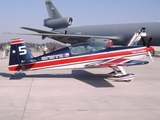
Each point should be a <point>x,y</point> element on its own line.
<point>79,56</point>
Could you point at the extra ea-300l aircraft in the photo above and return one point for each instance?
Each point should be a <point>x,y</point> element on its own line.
<point>83,55</point>
<point>61,32</point>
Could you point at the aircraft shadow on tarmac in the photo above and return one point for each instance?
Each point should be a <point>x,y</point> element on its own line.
<point>96,80</point>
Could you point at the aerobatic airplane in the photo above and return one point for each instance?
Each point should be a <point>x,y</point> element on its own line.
<point>81,56</point>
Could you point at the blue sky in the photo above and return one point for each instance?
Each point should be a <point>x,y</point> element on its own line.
<point>31,13</point>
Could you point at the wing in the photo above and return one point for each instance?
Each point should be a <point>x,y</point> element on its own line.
<point>117,62</point>
<point>38,30</point>
<point>65,38</point>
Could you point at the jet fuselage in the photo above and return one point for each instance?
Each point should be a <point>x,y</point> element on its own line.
<point>125,31</point>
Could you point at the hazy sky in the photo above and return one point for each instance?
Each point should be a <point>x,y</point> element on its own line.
<point>31,13</point>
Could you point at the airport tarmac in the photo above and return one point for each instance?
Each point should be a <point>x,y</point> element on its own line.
<point>80,94</point>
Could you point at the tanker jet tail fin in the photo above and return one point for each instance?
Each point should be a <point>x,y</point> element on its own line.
<point>52,10</point>
<point>55,20</point>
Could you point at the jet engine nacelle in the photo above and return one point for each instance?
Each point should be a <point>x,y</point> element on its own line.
<point>58,23</point>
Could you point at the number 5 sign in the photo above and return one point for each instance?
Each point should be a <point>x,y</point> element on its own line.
<point>22,50</point>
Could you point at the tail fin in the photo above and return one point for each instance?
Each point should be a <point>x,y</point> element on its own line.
<point>55,20</point>
<point>19,55</point>
<point>52,10</point>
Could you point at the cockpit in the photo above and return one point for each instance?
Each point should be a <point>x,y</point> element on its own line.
<point>87,47</point>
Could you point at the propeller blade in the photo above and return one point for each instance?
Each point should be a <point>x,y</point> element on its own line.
<point>144,42</point>
<point>149,53</point>
<point>149,41</point>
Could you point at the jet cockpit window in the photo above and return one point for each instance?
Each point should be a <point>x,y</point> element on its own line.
<point>86,47</point>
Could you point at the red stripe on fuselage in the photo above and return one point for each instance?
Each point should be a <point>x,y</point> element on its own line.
<point>74,60</point>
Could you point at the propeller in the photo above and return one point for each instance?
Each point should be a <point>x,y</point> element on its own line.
<point>149,42</point>
<point>144,42</point>
<point>148,45</point>
<point>149,53</point>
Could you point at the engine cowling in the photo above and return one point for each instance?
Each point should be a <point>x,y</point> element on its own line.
<point>58,23</point>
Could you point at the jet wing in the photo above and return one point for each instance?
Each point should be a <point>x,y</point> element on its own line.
<point>38,30</point>
<point>66,38</point>
<point>117,62</point>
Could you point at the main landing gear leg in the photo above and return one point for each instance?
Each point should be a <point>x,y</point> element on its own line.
<point>119,74</point>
